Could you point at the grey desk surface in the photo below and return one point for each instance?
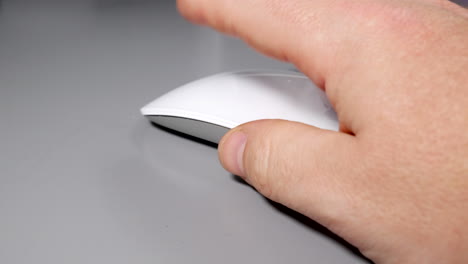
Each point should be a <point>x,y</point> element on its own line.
<point>85,179</point>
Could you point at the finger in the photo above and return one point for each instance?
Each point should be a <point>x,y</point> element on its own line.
<point>277,28</point>
<point>305,168</point>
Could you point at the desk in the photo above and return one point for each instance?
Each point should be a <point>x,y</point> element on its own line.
<point>85,179</point>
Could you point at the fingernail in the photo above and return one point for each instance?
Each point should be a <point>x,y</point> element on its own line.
<point>232,152</point>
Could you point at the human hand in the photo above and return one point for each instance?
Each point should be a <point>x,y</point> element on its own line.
<point>394,180</point>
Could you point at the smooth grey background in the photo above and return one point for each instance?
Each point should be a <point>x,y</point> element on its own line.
<point>85,179</point>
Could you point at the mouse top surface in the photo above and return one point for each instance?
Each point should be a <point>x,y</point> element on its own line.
<point>227,100</point>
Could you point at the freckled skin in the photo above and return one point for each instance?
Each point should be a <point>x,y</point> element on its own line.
<point>394,180</point>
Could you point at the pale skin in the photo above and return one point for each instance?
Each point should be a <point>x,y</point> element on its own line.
<point>394,180</point>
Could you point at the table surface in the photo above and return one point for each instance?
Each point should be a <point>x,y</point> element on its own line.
<point>85,179</point>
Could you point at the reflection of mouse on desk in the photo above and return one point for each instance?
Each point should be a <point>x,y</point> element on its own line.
<point>209,107</point>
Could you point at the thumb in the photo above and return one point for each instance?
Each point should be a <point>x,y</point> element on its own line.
<point>305,168</point>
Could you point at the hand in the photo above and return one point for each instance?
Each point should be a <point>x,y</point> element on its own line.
<point>394,180</point>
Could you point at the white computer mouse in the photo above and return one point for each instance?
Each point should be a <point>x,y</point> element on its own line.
<point>207,108</point>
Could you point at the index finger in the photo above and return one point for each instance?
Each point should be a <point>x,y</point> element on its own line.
<point>274,27</point>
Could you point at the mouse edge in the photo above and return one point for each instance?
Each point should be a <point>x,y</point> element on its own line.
<point>193,127</point>
<point>153,113</point>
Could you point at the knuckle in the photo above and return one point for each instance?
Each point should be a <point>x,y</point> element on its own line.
<point>260,168</point>
<point>379,16</point>
<point>267,173</point>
